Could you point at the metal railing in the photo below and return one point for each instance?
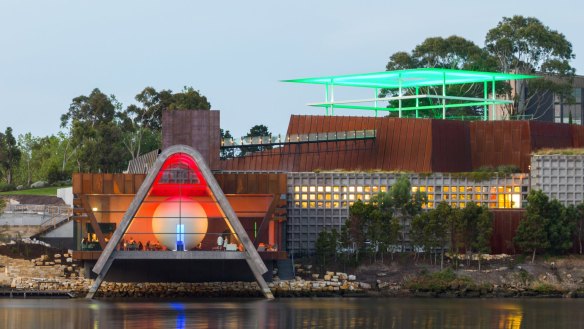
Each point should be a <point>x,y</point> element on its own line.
<point>299,138</point>
<point>52,215</point>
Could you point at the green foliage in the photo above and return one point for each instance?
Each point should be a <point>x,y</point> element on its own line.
<point>566,151</point>
<point>256,131</point>
<point>7,187</point>
<point>2,205</point>
<point>9,155</point>
<point>547,226</point>
<point>326,246</point>
<point>226,153</point>
<point>526,45</point>
<point>439,282</point>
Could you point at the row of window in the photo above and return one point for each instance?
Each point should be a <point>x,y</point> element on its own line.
<point>427,189</point>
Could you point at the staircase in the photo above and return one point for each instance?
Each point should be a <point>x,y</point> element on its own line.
<point>285,269</point>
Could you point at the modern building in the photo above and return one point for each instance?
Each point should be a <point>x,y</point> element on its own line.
<point>303,182</point>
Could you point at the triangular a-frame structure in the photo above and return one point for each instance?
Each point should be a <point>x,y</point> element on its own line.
<point>173,209</point>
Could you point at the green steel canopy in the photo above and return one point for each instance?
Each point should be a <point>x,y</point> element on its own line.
<point>411,78</point>
<point>414,86</point>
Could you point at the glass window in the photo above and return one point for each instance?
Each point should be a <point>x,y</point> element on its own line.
<point>304,204</point>
<point>320,188</point>
<point>351,196</point>
<point>296,188</point>
<point>360,189</point>
<point>461,204</point>
<point>430,197</point>
<point>461,189</point>
<point>517,189</point>
<point>328,196</point>
<point>312,204</point>
<point>351,188</point>
<point>446,188</point>
<point>304,188</point>
<point>327,188</point>
<point>312,189</point>
<point>336,196</point>
<point>336,189</point>
<point>383,189</point>
<point>320,196</point>
<point>312,197</point>
<point>296,196</point>
<point>375,189</point>
<point>477,189</point>
<point>367,189</point>
<point>431,189</point>
<point>304,196</point>
<point>422,188</point>
<point>335,204</point>
<point>414,189</point>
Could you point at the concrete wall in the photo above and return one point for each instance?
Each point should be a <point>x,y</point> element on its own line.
<point>66,194</point>
<point>321,201</point>
<point>20,219</point>
<point>559,176</point>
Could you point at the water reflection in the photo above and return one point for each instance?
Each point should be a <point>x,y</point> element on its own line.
<point>292,313</point>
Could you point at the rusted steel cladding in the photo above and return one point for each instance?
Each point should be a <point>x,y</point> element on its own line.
<point>417,145</point>
<point>505,223</point>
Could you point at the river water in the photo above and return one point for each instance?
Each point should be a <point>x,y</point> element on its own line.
<point>292,313</point>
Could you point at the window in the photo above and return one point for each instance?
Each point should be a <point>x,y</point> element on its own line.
<point>304,188</point>
<point>296,188</point>
<point>320,188</point>
<point>446,189</point>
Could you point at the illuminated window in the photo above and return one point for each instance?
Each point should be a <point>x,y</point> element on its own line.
<point>446,189</point>
<point>304,204</point>
<point>517,189</point>
<point>328,189</point>
<point>304,196</point>
<point>320,196</point>
<point>296,188</point>
<point>469,189</point>
<point>336,189</point>
<point>344,189</point>
<point>320,204</point>
<point>320,188</point>
<point>454,204</point>
<point>344,204</point>
<point>493,189</point>
<point>336,197</point>
<point>492,205</point>
<point>485,189</point>
<point>454,197</point>
<point>367,189</point>
<point>446,196</point>
<point>360,189</point>
<point>461,197</point>
<point>477,197</point>
<point>296,196</point>
<point>359,196</point>
<point>375,189</point>
<point>328,196</point>
<point>351,203</point>
<point>312,189</point>
<point>500,189</point>
<point>414,189</point>
<point>508,189</point>
<point>327,204</point>
<point>351,188</point>
<point>304,188</point>
<point>296,204</point>
<point>367,197</point>
<point>344,196</point>
<point>493,197</point>
<point>431,197</point>
<point>312,197</point>
<point>422,188</point>
<point>515,200</point>
<point>351,196</point>
<point>461,189</point>
<point>335,204</point>
<point>478,189</point>
<point>430,189</point>
<point>383,189</point>
<point>312,204</point>
<point>461,204</point>
<point>430,204</point>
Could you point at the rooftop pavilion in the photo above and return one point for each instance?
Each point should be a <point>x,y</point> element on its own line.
<point>421,90</point>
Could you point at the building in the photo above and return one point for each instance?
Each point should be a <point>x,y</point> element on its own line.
<point>308,178</point>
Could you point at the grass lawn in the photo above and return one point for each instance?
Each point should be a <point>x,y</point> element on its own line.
<point>50,191</point>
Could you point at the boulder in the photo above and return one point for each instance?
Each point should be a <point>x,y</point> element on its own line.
<point>39,184</point>
<point>19,187</point>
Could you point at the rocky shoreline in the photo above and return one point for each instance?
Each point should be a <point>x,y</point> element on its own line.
<point>59,273</point>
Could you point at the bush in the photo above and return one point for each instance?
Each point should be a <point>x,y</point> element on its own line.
<point>55,175</point>
<point>439,282</point>
<point>7,187</point>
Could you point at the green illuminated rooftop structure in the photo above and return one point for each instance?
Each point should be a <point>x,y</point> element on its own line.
<point>413,90</point>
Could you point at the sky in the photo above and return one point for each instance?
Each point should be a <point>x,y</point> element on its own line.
<point>234,52</point>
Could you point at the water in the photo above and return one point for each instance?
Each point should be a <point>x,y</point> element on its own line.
<point>293,313</point>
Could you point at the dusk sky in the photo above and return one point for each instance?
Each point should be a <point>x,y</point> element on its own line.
<point>234,52</point>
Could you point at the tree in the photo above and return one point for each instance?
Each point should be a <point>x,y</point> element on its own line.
<point>578,213</point>
<point>9,154</point>
<point>482,241</point>
<point>94,123</point>
<point>326,246</point>
<point>453,52</point>
<point>256,131</point>
<point>230,152</point>
<point>532,232</point>
<point>525,45</point>
<point>26,144</point>
<point>405,206</point>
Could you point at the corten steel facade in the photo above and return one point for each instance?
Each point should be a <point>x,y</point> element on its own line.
<point>416,145</point>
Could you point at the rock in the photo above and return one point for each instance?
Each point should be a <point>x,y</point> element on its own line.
<point>38,184</point>
<point>66,255</point>
<point>352,277</point>
<point>380,274</point>
<point>326,277</point>
<point>315,276</point>
<point>364,285</point>
<point>19,187</point>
